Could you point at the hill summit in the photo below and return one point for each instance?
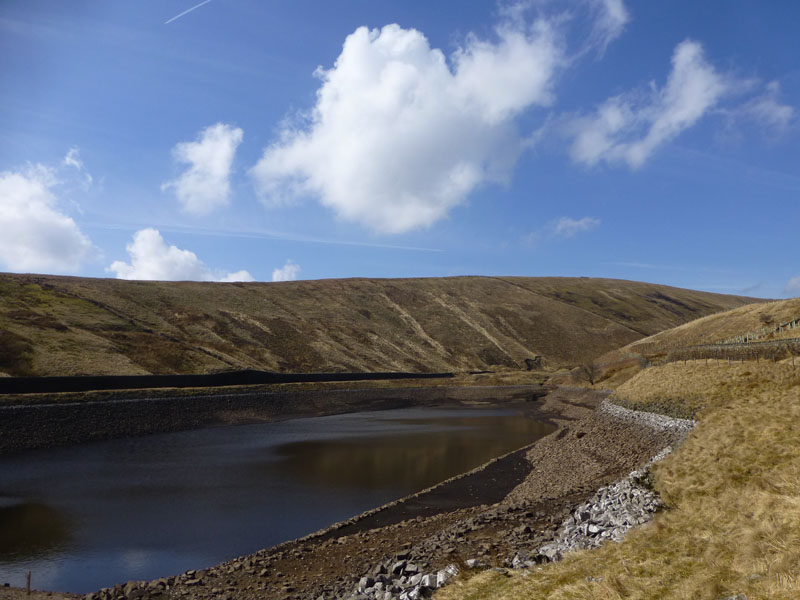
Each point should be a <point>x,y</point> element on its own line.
<point>52,325</point>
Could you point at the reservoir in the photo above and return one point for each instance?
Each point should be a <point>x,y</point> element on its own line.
<point>92,515</point>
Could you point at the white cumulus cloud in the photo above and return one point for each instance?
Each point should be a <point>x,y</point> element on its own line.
<point>152,259</point>
<point>287,272</point>
<point>400,135</point>
<point>205,185</point>
<point>628,128</point>
<point>37,235</point>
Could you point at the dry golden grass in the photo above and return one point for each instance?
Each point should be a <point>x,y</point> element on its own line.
<point>710,329</point>
<point>102,326</point>
<point>718,327</point>
<point>733,491</point>
<point>686,390</point>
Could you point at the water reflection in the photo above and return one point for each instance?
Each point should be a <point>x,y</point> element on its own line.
<point>30,529</point>
<point>108,512</point>
<point>406,459</point>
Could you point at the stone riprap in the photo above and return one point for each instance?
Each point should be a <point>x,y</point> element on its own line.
<point>649,419</point>
<point>401,580</point>
<point>614,509</point>
<point>608,515</point>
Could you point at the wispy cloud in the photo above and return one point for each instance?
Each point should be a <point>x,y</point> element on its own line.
<point>686,268</point>
<point>629,128</point>
<point>266,235</point>
<point>709,167</point>
<point>767,111</point>
<point>186,12</point>
<point>73,159</point>
<point>564,228</point>
<point>751,288</point>
<point>792,287</point>
<point>612,16</point>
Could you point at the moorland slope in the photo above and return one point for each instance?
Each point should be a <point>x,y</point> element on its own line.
<point>773,323</point>
<point>53,325</point>
<point>730,527</point>
<point>761,321</point>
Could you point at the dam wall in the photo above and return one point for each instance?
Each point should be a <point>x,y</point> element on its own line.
<point>29,426</point>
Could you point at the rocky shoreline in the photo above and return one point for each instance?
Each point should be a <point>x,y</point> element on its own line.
<point>408,555</point>
<point>607,516</point>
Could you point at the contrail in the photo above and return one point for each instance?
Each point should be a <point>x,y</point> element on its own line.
<point>186,12</point>
<point>269,235</point>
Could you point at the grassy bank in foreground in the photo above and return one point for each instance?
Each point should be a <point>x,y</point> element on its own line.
<point>733,494</point>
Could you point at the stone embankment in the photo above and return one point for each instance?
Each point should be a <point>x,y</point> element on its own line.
<point>607,516</point>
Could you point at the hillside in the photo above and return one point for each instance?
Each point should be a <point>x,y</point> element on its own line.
<point>759,321</point>
<point>731,523</point>
<point>64,325</point>
<point>722,332</point>
<point>756,322</point>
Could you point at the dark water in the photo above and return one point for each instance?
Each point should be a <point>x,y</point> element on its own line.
<point>90,516</point>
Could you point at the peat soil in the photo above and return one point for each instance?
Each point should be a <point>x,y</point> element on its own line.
<point>512,504</point>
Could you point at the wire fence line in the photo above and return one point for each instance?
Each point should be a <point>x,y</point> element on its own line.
<point>645,348</point>
<point>738,351</point>
<point>763,332</point>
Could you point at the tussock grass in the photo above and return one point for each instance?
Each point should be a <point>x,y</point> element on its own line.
<point>685,390</point>
<point>733,493</point>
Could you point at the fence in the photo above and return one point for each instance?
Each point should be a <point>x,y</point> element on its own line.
<point>772,350</point>
<point>763,332</point>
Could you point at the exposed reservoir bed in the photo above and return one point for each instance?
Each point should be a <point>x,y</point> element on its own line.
<point>88,516</point>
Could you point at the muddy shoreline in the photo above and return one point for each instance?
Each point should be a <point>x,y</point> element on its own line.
<point>512,503</point>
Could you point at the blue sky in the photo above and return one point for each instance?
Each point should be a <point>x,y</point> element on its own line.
<point>244,139</point>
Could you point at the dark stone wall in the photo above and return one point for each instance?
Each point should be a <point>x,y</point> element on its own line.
<point>83,383</point>
<point>24,427</point>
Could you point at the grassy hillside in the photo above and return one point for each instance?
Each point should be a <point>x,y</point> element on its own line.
<point>752,323</point>
<point>63,325</point>
<point>732,525</point>
<point>761,319</point>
